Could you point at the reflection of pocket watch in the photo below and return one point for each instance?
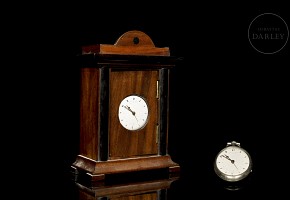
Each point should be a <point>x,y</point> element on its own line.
<point>233,163</point>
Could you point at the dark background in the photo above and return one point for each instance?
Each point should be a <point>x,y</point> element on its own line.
<point>223,90</point>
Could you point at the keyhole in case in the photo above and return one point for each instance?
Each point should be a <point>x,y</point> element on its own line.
<point>136,40</point>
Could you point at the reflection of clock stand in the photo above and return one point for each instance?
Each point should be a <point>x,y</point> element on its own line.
<point>153,189</point>
<point>132,67</point>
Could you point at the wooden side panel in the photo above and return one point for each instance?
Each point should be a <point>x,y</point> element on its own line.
<point>124,143</point>
<point>89,97</point>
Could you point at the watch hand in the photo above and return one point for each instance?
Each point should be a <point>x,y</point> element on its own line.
<point>133,113</point>
<point>128,108</point>
<point>232,161</point>
<point>235,164</point>
<point>227,157</point>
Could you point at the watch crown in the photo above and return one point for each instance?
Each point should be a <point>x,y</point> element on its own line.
<point>233,143</point>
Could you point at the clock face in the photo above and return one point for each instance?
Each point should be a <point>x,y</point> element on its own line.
<point>133,112</point>
<point>233,163</point>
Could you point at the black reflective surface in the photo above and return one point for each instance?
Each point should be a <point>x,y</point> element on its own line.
<point>223,90</point>
<point>196,181</point>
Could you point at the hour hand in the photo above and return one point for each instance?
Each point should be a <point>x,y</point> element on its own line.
<point>128,108</point>
<point>227,157</point>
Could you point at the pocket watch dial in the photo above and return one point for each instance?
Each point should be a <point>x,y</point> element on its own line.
<point>133,112</point>
<point>233,163</point>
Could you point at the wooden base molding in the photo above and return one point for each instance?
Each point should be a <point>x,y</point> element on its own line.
<point>97,170</point>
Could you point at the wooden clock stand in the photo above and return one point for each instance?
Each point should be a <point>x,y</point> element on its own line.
<point>132,67</point>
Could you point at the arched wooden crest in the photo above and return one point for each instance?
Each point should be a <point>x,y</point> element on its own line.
<point>130,43</point>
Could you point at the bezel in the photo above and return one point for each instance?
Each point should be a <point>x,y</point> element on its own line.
<point>147,115</point>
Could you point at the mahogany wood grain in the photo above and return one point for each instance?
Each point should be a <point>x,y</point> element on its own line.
<point>89,94</point>
<point>122,142</point>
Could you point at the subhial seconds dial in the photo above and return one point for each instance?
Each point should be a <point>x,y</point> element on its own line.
<point>133,112</point>
<point>233,163</point>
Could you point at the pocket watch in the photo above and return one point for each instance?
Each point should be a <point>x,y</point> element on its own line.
<point>133,112</point>
<point>233,163</point>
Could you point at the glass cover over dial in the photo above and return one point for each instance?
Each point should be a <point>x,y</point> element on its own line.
<point>133,112</point>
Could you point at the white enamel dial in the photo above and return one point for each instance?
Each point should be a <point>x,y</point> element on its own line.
<point>233,163</point>
<point>133,112</point>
